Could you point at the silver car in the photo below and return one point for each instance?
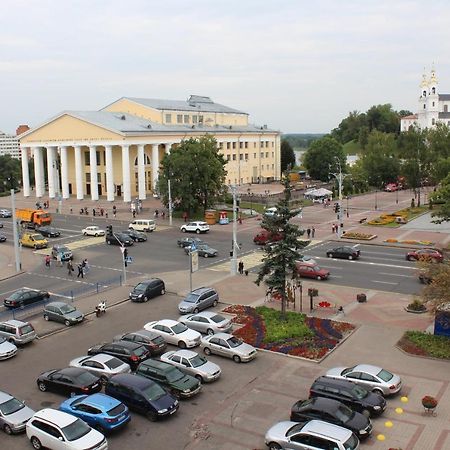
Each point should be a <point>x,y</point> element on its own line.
<point>7,349</point>
<point>102,365</point>
<point>207,322</point>
<point>13,414</point>
<point>193,364</point>
<point>63,312</point>
<point>198,299</point>
<point>174,332</point>
<point>373,378</point>
<point>227,345</point>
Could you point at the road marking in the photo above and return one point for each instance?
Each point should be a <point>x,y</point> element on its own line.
<point>383,282</point>
<point>76,244</point>
<point>394,274</point>
<point>368,263</point>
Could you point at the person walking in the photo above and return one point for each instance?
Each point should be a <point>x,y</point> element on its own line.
<point>308,232</point>
<point>133,213</point>
<point>59,259</point>
<point>313,232</point>
<point>80,270</point>
<point>70,268</point>
<point>47,261</point>
<point>114,211</point>
<point>85,265</point>
<point>241,267</point>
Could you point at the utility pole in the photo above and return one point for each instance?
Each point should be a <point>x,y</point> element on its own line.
<point>170,202</point>
<point>233,266</point>
<point>15,232</point>
<point>340,178</point>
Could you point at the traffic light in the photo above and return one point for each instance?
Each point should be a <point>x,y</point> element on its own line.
<point>125,256</point>
<point>336,207</point>
<point>109,229</point>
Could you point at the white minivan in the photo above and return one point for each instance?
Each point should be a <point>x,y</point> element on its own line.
<point>142,225</point>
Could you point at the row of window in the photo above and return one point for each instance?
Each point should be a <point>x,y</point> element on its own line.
<point>245,144</point>
<point>244,156</point>
<point>185,118</point>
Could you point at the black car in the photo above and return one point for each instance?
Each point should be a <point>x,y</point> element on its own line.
<point>128,352</point>
<point>137,236</point>
<point>188,241</point>
<point>119,239</point>
<point>2,238</point>
<point>334,412</point>
<point>69,381</point>
<point>25,296</point>
<point>142,395</point>
<point>147,289</point>
<point>48,231</point>
<point>349,393</point>
<point>203,250</point>
<point>344,253</point>
<point>153,342</point>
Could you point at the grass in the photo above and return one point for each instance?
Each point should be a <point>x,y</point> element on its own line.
<point>412,214</point>
<point>351,148</point>
<point>427,344</point>
<point>278,329</point>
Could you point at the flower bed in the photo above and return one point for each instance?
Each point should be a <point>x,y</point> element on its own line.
<point>298,335</point>
<point>360,236</point>
<point>409,242</point>
<point>423,344</point>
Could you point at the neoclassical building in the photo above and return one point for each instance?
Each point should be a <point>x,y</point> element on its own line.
<point>116,152</point>
<point>433,107</point>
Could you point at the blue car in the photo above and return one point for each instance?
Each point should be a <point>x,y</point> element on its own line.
<point>100,411</point>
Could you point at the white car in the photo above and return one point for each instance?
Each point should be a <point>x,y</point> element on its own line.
<point>207,322</point>
<point>271,212</point>
<point>93,230</point>
<point>101,365</point>
<point>50,428</point>
<point>7,349</point>
<point>175,333</point>
<point>230,346</point>
<point>195,227</point>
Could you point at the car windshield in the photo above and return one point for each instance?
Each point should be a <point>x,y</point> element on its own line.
<point>317,268</point>
<point>179,328</point>
<point>140,287</point>
<point>217,318</point>
<point>16,295</point>
<point>385,375</point>
<point>26,329</point>
<point>2,339</point>
<point>347,370</point>
<point>76,430</point>
<point>154,392</point>
<point>113,363</point>
<point>360,392</point>
<point>66,309</point>
<point>11,406</point>
<point>352,443</point>
<point>62,249</point>
<point>344,414</point>
<point>174,375</point>
<point>295,429</point>
<point>85,378</point>
<point>197,361</point>
<point>234,342</point>
<point>191,298</point>
<point>140,351</point>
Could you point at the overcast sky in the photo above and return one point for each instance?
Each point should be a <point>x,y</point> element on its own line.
<point>295,65</point>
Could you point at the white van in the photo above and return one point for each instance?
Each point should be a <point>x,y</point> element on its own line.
<point>142,225</point>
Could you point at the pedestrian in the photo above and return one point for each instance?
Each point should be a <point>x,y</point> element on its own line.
<point>163,215</point>
<point>185,216</point>
<point>93,212</point>
<point>80,270</point>
<point>156,214</point>
<point>332,228</point>
<point>313,232</point>
<point>71,210</point>
<point>85,265</point>
<point>59,259</point>
<point>241,267</point>
<point>70,268</point>
<point>133,213</point>
<point>102,211</point>
<point>47,261</point>
<point>106,213</point>
<point>308,232</point>
<point>240,220</point>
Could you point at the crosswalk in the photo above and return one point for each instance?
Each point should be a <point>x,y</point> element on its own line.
<point>81,243</point>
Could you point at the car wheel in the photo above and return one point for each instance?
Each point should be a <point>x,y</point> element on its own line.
<point>96,234</point>
<point>365,413</point>
<point>236,359</point>
<point>35,247</point>
<point>67,323</point>
<point>197,231</point>
<point>46,317</point>
<point>378,391</point>
<point>205,255</point>
<point>274,446</point>
<point>196,311</point>
<point>410,258</point>
<point>36,443</point>
<point>207,351</point>
<point>209,331</point>
<point>85,234</point>
<point>350,257</point>
<point>183,230</point>
<point>318,277</point>
<point>330,255</point>
<point>181,344</point>
<point>145,299</point>
<point>163,291</point>
<point>7,429</point>
<point>199,378</point>
<point>42,386</point>
<point>215,303</point>
<point>152,416</point>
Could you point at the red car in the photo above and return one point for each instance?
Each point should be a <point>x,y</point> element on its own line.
<point>263,237</point>
<point>391,187</point>
<point>425,254</point>
<point>309,270</point>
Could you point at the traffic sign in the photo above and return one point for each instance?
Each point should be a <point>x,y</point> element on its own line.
<point>129,260</point>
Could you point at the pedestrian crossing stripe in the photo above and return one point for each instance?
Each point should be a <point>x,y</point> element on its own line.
<point>75,245</point>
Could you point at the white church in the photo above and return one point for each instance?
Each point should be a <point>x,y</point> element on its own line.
<point>433,107</point>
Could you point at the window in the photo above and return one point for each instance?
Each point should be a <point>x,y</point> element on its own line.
<point>433,122</point>
<point>88,177</point>
<point>254,155</point>
<point>186,118</point>
<point>168,118</point>
<point>179,118</point>
<point>234,156</point>
<point>228,145</point>
<point>445,108</point>
<point>87,161</point>
<point>220,145</point>
<point>241,157</point>
<point>433,103</point>
<point>228,157</point>
<point>262,154</point>
<point>200,119</point>
<point>246,156</point>
<point>273,154</point>
<point>241,144</point>
<point>234,145</point>
<point>424,106</point>
<point>246,144</point>
<point>254,144</point>
<point>194,119</point>
<point>267,154</point>
<point>273,144</point>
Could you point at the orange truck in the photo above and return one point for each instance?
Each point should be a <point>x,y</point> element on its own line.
<point>32,218</point>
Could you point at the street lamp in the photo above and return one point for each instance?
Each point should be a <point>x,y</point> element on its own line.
<point>396,195</point>
<point>347,205</point>
<point>376,199</point>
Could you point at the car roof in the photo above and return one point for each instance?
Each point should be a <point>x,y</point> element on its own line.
<point>201,290</point>
<point>149,281</point>
<point>146,333</point>
<point>207,314</point>
<point>58,304</point>
<point>15,323</point>
<point>132,380</point>
<point>222,335</point>
<point>367,368</point>
<point>104,401</point>
<point>318,427</point>
<point>324,403</point>
<point>72,371</point>
<point>334,381</point>
<point>166,322</point>
<point>60,418</point>
<point>128,344</point>
<point>99,357</point>
<point>185,353</point>
<point>156,363</point>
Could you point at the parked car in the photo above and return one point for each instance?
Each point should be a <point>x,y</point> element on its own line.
<point>314,434</point>
<point>5,213</point>
<point>137,236</point>
<point>33,240</point>
<point>370,377</point>
<point>332,411</point>
<point>224,344</point>
<point>354,396</point>
<point>64,251</point>
<point>100,411</point>
<point>24,297</point>
<point>17,332</point>
<point>102,365</point>
<point>142,395</point>
<point>128,352</point>
<point>198,299</point>
<point>391,187</point>
<point>195,227</point>
<point>69,381</point>
<point>7,349</point>
<point>93,230</point>
<point>142,225</point>
<point>57,430</point>
<point>14,414</point>
<point>176,382</point>
<point>264,237</point>
<point>203,250</point>
<point>119,239</point>
<point>193,364</point>
<point>48,231</point>
<point>63,312</point>
<point>344,252</point>
<point>147,289</point>
<point>207,322</point>
<point>174,332</point>
<point>153,342</point>
<point>188,241</point>
<point>425,254</point>
<point>2,237</point>
<point>308,270</point>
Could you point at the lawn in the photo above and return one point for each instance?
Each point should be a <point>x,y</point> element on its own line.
<point>424,344</point>
<point>298,335</point>
<point>388,220</point>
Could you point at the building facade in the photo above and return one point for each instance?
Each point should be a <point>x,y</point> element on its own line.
<point>9,145</point>
<point>433,107</point>
<point>116,152</point>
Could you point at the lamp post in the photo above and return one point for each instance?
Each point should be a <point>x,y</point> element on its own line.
<point>376,199</point>
<point>233,253</point>
<point>396,195</point>
<point>347,206</point>
<point>169,192</point>
<point>15,227</point>
<point>250,194</point>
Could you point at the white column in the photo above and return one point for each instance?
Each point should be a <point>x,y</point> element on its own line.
<point>126,173</point>
<point>141,172</point>
<point>37,172</point>
<point>94,177</point>
<point>25,174</point>
<point>109,173</point>
<point>168,147</point>
<point>155,165</point>
<point>64,173</point>
<point>41,170</point>
<point>79,173</point>
<point>51,171</point>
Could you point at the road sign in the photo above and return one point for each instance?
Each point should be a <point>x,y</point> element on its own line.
<point>129,260</point>
<point>194,261</point>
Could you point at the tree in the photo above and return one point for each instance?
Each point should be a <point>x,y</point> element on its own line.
<point>287,156</point>
<point>404,113</point>
<point>349,128</point>
<point>383,118</point>
<point>438,140</point>
<point>10,173</point>
<point>320,159</point>
<point>197,174</point>
<point>279,259</point>
<point>442,198</point>
<point>438,290</point>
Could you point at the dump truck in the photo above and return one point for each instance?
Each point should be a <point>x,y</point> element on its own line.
<point>30,218</point>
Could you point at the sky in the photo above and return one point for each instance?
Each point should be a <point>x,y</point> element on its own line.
<point>295,65</point>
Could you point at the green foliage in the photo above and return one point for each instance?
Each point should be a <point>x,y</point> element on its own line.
<point>300,140</point>
<point>287,156</point>
<point>383,118</point>
<point>10,173</point>
<point>197,173</point>
<point>434,346</point>
<point>320,158</point>
<point>279,328</point>
<point>442,195</point>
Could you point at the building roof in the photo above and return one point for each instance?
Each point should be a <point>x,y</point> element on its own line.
<point>410,117</point>
<point>444,97</point>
